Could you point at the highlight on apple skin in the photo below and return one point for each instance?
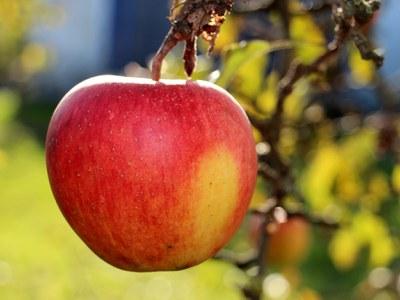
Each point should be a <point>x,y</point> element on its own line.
<point>151,175</point>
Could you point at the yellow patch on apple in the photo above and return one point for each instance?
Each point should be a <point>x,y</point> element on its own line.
<point>215,189</point>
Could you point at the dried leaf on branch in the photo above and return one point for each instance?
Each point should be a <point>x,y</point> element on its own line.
<point>189,20</point>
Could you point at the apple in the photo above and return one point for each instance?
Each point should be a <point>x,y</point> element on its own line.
<point>288,243</point>
<point>151,175</point>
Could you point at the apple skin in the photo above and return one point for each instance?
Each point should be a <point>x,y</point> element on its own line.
<point>151,175</point>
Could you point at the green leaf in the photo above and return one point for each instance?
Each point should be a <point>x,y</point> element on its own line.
<point>244,54</point>
<point>9,104</point>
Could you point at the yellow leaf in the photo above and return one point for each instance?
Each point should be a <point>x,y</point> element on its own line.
<point>294,103</point>
<point>367,227</point>
<point>362,71</point>
<point>348,185</point>
<point>257,135</point>
<point>344,249</point>
<point>287,141</point>
<point>319,178</point>
<point>359,149</point>
<point>382,252</point>
<point>228,34</point>
<point>243,64</point>
<point>396,178</point>
<point>378,186</point>
<point>266,100</point>
<point>310,41</point>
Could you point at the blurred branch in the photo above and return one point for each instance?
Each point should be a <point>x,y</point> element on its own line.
<point>366,51</point>
<point>349,16</point>
<point>242,261</point>
<point>345,15</point>
<point>314,220</point>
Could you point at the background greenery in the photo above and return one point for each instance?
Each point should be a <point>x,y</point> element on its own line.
<point>344,170</point>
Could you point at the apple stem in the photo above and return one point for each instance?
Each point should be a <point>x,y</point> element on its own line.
<point>195,18</point>
<point>168,44</point>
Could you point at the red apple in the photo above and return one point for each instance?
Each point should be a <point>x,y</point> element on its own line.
<point>151,175</point>
<point>288,243</point>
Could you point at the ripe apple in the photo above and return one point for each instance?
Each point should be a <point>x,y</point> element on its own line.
<point>287,244</point>
<point>151,175</point>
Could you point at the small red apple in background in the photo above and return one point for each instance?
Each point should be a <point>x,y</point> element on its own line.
<point>287,243</point>
<point>151,175</point>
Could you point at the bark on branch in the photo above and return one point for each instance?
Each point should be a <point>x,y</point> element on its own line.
<point>195,18</point>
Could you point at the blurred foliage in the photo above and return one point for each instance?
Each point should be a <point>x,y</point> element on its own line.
<point>308,38</point>
<point>362,71</point>
<point>20,59</point>
<point>347,170</point>
<point>342,172</point>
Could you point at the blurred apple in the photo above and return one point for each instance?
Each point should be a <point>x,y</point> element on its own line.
<point>287,243</point>
<point>151,175</point>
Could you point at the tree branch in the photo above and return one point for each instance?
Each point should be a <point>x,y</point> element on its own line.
<point>195,18</point>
